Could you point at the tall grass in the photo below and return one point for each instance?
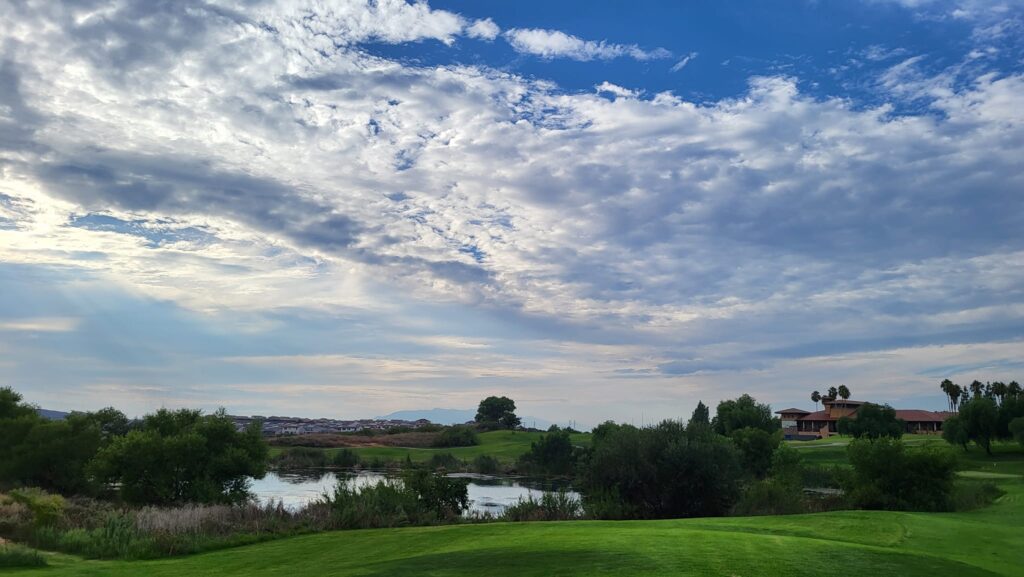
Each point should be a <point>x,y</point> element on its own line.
<point>560,506</point>
<point>17,556</point>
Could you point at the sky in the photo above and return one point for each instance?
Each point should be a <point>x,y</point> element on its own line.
<point>604,210</point>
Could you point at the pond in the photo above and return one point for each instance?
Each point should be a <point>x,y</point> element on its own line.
<point>487,493</point>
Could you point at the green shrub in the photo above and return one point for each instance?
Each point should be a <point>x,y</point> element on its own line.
<point>552,454</point>
<point>346,458</point>
<point>18,556</point>
<point>886,475</point>
<point>486,464</point>
<point>301,458</point>
<point>445,461</point>
<point>457,436</point>
<point>46,509</point>
<point>770,497</point>
<point>559,506</point>
<point>971,494</point>
<point>420,498</point>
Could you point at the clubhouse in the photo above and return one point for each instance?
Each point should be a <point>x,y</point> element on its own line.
<point>800,424</point>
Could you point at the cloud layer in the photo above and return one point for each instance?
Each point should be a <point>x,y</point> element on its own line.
<point>238,160</point>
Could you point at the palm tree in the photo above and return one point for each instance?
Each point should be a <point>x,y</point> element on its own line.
<point>977,388</point>
<point>844,392</point>
<point>947,387</point>
<point>816,397</point>
<point>999,390</point>
<point>1013,389</point>
<point>833,393</point>
<point>956,393</point>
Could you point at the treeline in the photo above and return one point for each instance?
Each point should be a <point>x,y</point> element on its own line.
<point>736,463</point>
<point>985,413</point>
<point>167,457</point>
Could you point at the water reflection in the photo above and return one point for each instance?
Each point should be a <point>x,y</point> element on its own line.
<point>487,494</point>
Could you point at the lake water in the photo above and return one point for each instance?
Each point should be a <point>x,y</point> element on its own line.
<point>487,494</point>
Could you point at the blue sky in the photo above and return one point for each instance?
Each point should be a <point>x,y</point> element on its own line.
<point>604,210</point>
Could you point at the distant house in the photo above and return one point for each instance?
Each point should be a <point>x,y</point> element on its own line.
<point>800,424</point>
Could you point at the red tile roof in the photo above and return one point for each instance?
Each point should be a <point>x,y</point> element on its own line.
<point>792,411</point>
<point>908,415</point>
<point>915,416</point>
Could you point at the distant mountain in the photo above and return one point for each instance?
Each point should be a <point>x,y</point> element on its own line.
<point>52,415</point>
<point>455,417</point>
<point>439,416</point>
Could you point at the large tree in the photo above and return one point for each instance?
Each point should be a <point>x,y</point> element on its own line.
<point>980,420</point>
<point>815,398</point>
<point>498,411</point>
<point>183,456</point>
<point>872,422</point>
<point>844,392</point>
<point>743,412</point>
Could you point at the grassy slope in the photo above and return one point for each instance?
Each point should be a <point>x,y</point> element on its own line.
<point>980,543</point>
<point>503,445</point>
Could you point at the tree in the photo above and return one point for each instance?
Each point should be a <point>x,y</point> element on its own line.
<point>743,412</point>
<point>980,421</point>
<point>1017,429</point>
<point>552,454</point>
<point>872,422</point>
<point>700,422</point>
<point>833,393</point>
<point>756,448</point>
<point>1013,389</point>
<point>977,389</point>
<point>183,456</point>
<point>816,398</point>
<point>947,387</point>
<point>954,433</point>
<point>498,411</point>
<point>886,475</point>
<point>999,391</point>
<point>957,394</point>
<point>659,472</point>
<point>844,392</point>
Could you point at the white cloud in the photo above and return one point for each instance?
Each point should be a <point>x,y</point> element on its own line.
<point>263,166</point>
<point>485,29</point>
<point>615,89</point>
<point>682,63</point>
<point>40,325</point>
<point>558,44</point>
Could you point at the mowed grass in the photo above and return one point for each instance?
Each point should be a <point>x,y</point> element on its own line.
<point>506,446</point>
<point>981,543</point>
<point>987,542</point>
<point>1006,458</point>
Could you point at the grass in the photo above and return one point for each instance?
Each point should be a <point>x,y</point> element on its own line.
<point>984,542</point>
<point>506,446</point>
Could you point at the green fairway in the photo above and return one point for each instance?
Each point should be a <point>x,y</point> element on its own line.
<point>979,543</point>
<point>985,542</point>
<point>505,446</point>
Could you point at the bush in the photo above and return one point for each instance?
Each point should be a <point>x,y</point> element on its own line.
<point>660,472</point>
<point>346,458</point>
<point>486,464</point>
<point>457,436</point>
<point>886,475</point>
<point>46,509</point>
<point>418,499</point>
<point>770,497</point>
<point>560,506</point>
<point>445,461</point>
<point>552,454</point>
<point>1016,428</point>
<point>970,494</point>
<point>17,556</point>
<point>301,458</point>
